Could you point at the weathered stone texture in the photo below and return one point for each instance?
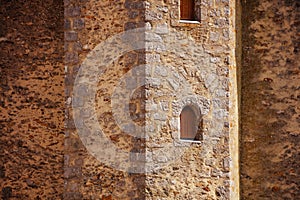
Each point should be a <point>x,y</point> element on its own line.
<point>191,67</point>
<point>31,99</point>
<point>186,63</point>
<point>91,178</point>
<point>270,100</point>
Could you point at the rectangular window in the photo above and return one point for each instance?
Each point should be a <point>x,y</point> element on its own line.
<point>187,10</point>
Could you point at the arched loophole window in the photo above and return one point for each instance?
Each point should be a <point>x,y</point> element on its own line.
<point>190,125</point>
<point>187,10</point>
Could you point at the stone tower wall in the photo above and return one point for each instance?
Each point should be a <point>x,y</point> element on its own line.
<point>43,156</point>
<point>167,77</point>
<point>270,100</point>
<point>191,66</point>
<point>89,24</point>
<point>31,99</point>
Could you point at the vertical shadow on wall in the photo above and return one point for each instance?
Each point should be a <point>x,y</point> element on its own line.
<point>250,98</point>
<point>270,95</point>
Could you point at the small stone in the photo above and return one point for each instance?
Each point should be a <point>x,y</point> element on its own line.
<point>214,59</point>
<point>133,14</point>
<point>210,162</point>
<point>148,26</point>
<point>71,36</point>
<point>214,36</point>
<point>164,105</point>
<point>160,117</point>
<point>78,23</point>
<point>161,71</point>
<point>71,57</point>
<point>67,25</point>
<point>163,9</point>
<point>152,37</point>
<point>162,29</point>
<point>226,163</point>
<point>162,159</point>
<point>152,58</point>
<point>151,16</point>
<point>72,12</point>
<point>174,84</point>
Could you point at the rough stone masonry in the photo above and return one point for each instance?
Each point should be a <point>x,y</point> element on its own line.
<point>236,66</point>
<point>172,64</point>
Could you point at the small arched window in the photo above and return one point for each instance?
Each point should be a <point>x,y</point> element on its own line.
<point>190,125</point>
<point>187,10</point>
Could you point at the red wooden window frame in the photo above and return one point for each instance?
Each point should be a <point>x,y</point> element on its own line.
<point>188,124</point>
<point>187,10</point>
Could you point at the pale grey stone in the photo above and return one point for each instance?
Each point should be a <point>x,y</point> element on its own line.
<point>174,84</point>
<point>154,82</point>
<point>216,173</point>
<point>162,28</point>
<point>226,163</point>
<point>152,37</point>
<point>214,36</point>
<point>161,71</point>
<point>152,58</point>
<point>155,46</point>
<point>151,16</point>
<point>174,123</point>
<point>163,9</point>
<point>164,105</point>
<point>162,159</point>
<point>148,26</point>
<point>128,128</point>
<point>214,59</point>
<point>160,116</point>
<point>220,114</point>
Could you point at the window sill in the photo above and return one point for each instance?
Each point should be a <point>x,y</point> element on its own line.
<point>189,21</point>
<point>191,141</point>
<point>185,23</point>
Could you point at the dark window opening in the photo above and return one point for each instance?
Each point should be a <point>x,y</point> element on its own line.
<point>187,10</point>
<point>190,125</point>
